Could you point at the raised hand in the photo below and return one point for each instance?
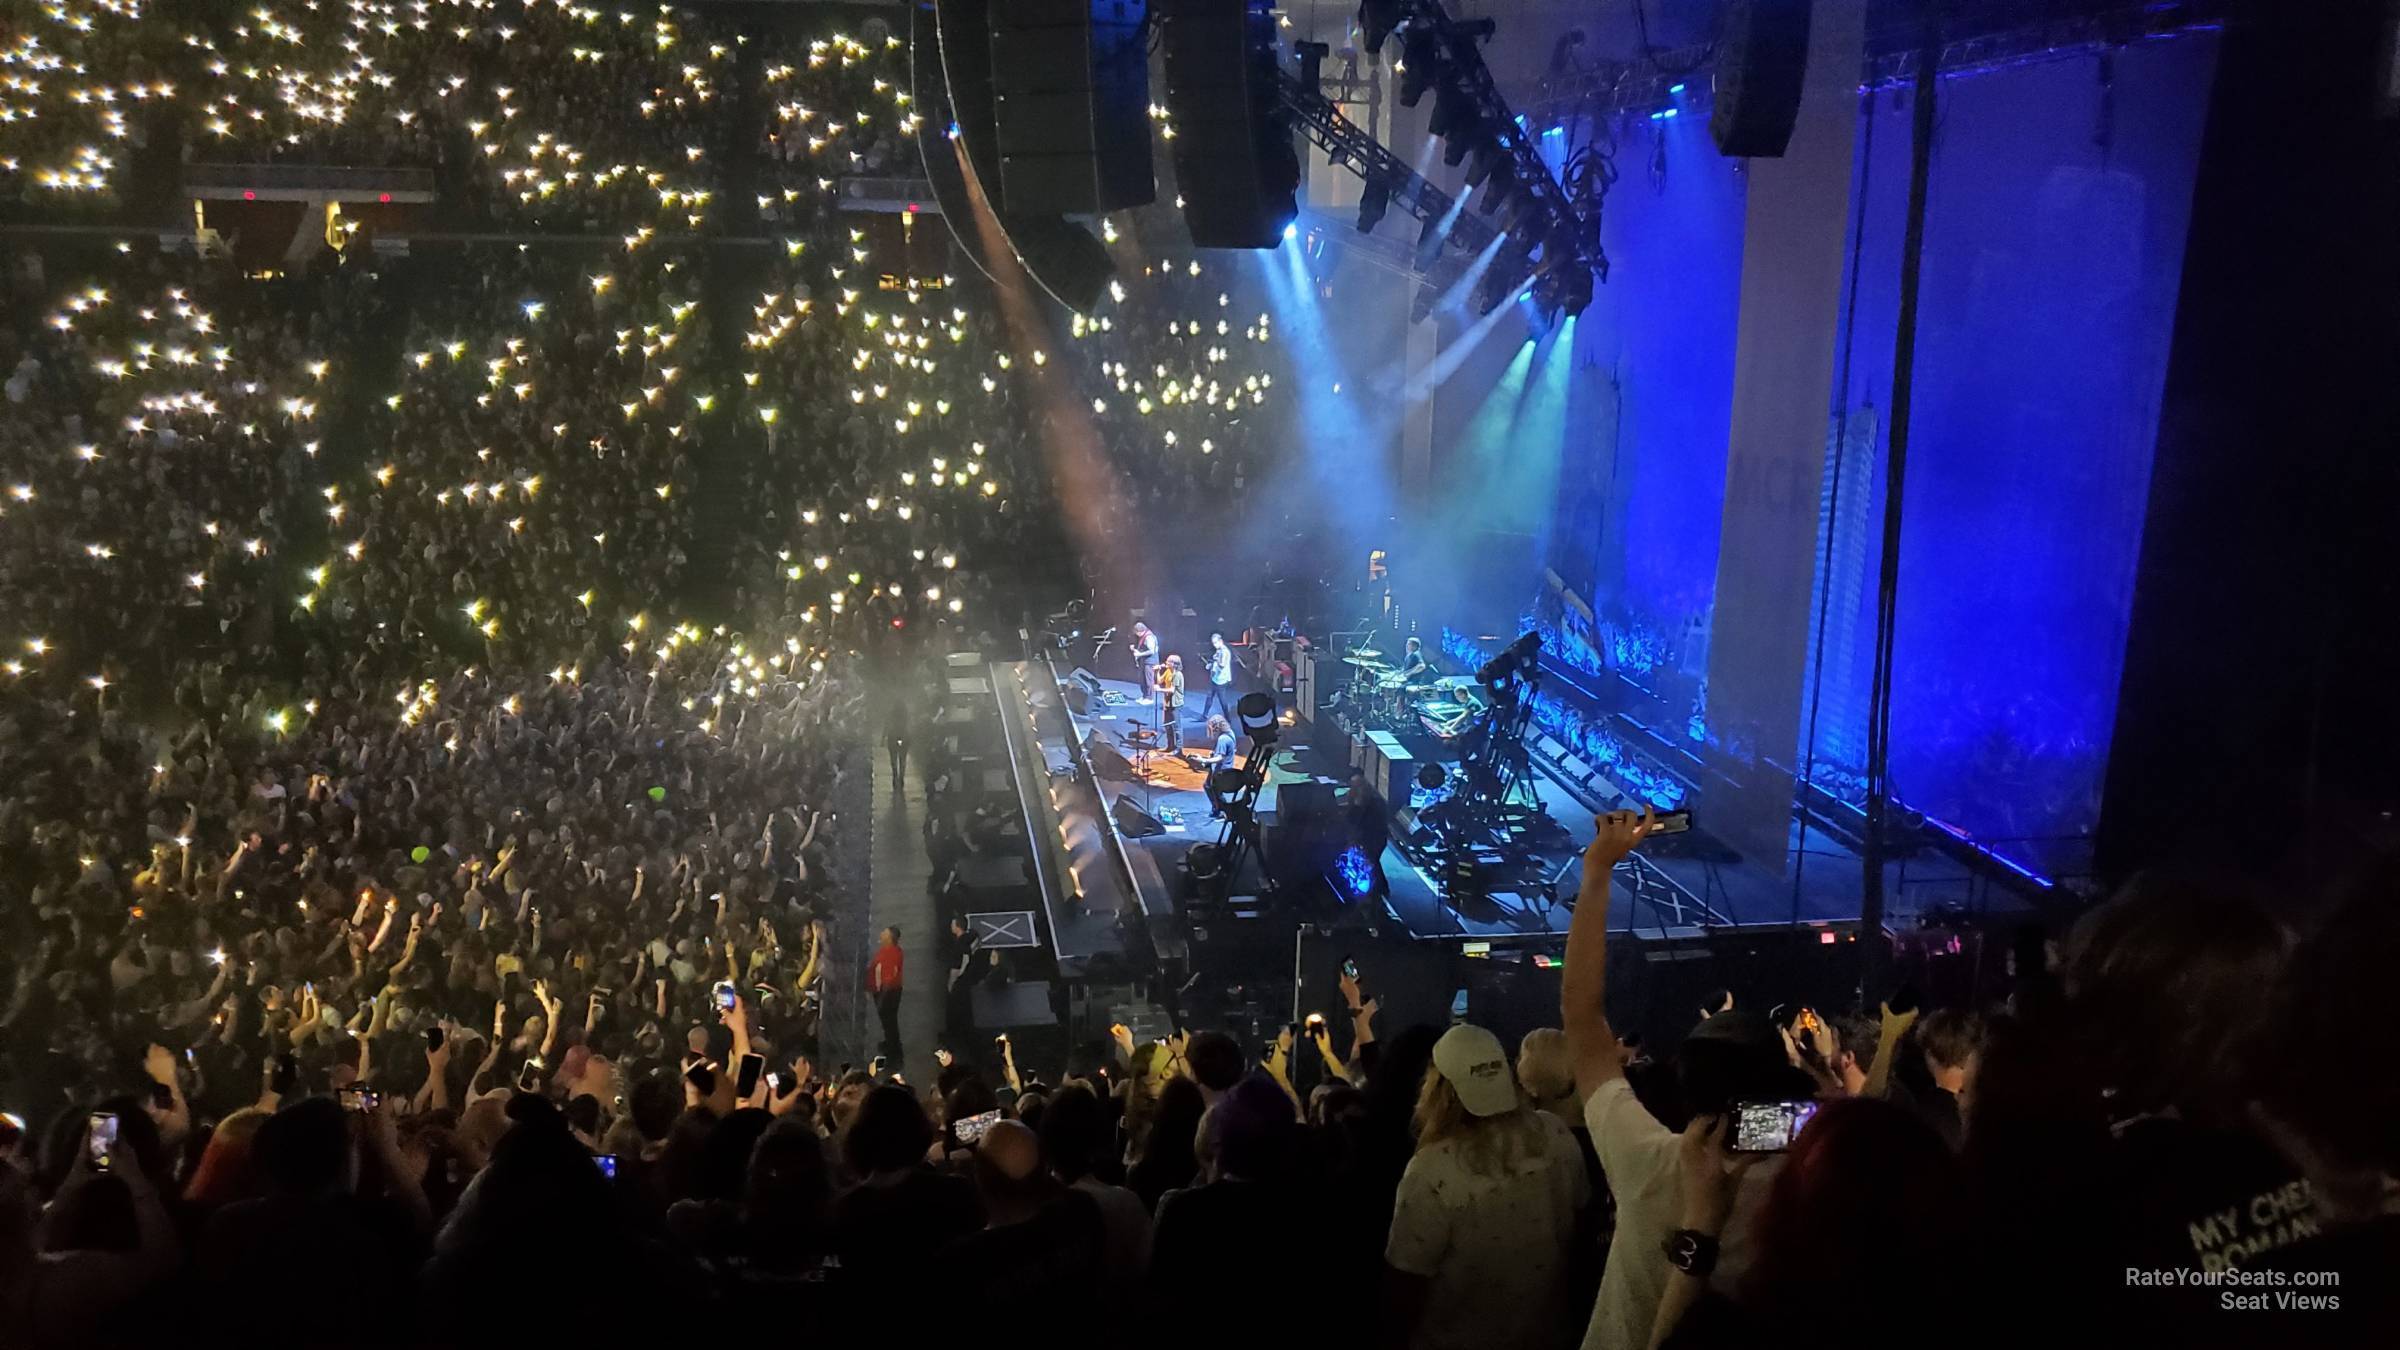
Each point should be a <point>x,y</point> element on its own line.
<point>1615,835</point>
<point>1710,1173</point>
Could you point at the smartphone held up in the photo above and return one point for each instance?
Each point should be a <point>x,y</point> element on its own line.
<point>100,1138</point>
<point>1767,1127</point>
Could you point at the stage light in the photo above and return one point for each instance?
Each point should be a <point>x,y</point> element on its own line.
<point>1497,191</point>
<point>1482,161</point>
<point>1516,656</point>
<point>1453,115</point>
<point>1373,200</point>
<point>1422,57</point>
<point>1256,714</point>
<point>1311,56</point>
<point>1354,875</point>
<point>1291,232</point>
<point>1429,242</point>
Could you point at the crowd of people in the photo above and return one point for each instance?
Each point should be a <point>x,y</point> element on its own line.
<point>2154,1133</point>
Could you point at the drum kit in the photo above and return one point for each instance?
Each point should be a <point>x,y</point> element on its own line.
<point>1386,695</point>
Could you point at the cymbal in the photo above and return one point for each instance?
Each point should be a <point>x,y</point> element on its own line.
<point>1368,652</point>
<point>1366,663</point>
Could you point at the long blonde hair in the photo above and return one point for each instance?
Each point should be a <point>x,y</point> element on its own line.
<point>1146,1074</point>
<point>1488,1145</point>
<point>1546,1071</point>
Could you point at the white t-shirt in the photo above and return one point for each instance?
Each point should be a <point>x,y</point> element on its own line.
<point>1638,1159</point>
<point>1495,1247</point>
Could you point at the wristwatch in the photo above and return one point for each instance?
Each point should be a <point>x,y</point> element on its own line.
<point>1692,1252</point>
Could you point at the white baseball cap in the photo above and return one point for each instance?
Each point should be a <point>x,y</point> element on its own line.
<point>1475,1066</point>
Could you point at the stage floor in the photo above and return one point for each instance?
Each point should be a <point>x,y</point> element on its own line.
<point>1744,893</point>
<point>1173,791</point>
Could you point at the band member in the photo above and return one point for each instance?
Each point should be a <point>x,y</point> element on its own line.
<point>1220,677</point>
<point>1220,760</point>
<point>1370,821</point>
<point>1414,668</point>
<point>964,951</point>
<point>1145,655</point>
<point>1170,702</point>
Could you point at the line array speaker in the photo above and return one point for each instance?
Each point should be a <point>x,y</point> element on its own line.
<point>1235,167</point>
<point>1762,53</point>
<point>1071,100</point>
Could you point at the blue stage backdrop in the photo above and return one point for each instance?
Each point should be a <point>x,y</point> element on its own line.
<point>2058,206</point>
<point>1643,484</point>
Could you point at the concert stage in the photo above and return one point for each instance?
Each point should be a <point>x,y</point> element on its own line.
<point>1679,886</point>
<point>1100,842</point>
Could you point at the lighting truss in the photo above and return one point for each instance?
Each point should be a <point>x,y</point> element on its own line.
<point>1473,119</point>
<point>1987,39</point>
<point>1348,146</point>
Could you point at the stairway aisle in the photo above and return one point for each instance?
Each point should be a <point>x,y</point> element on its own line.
<point>898,897</point>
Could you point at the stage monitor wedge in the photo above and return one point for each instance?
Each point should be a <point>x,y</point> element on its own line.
<point>1108,763</point>
<point>1132,821</point>
<point>1236,170</point>
<point>1762,53</point>
<point>1071,105</point>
